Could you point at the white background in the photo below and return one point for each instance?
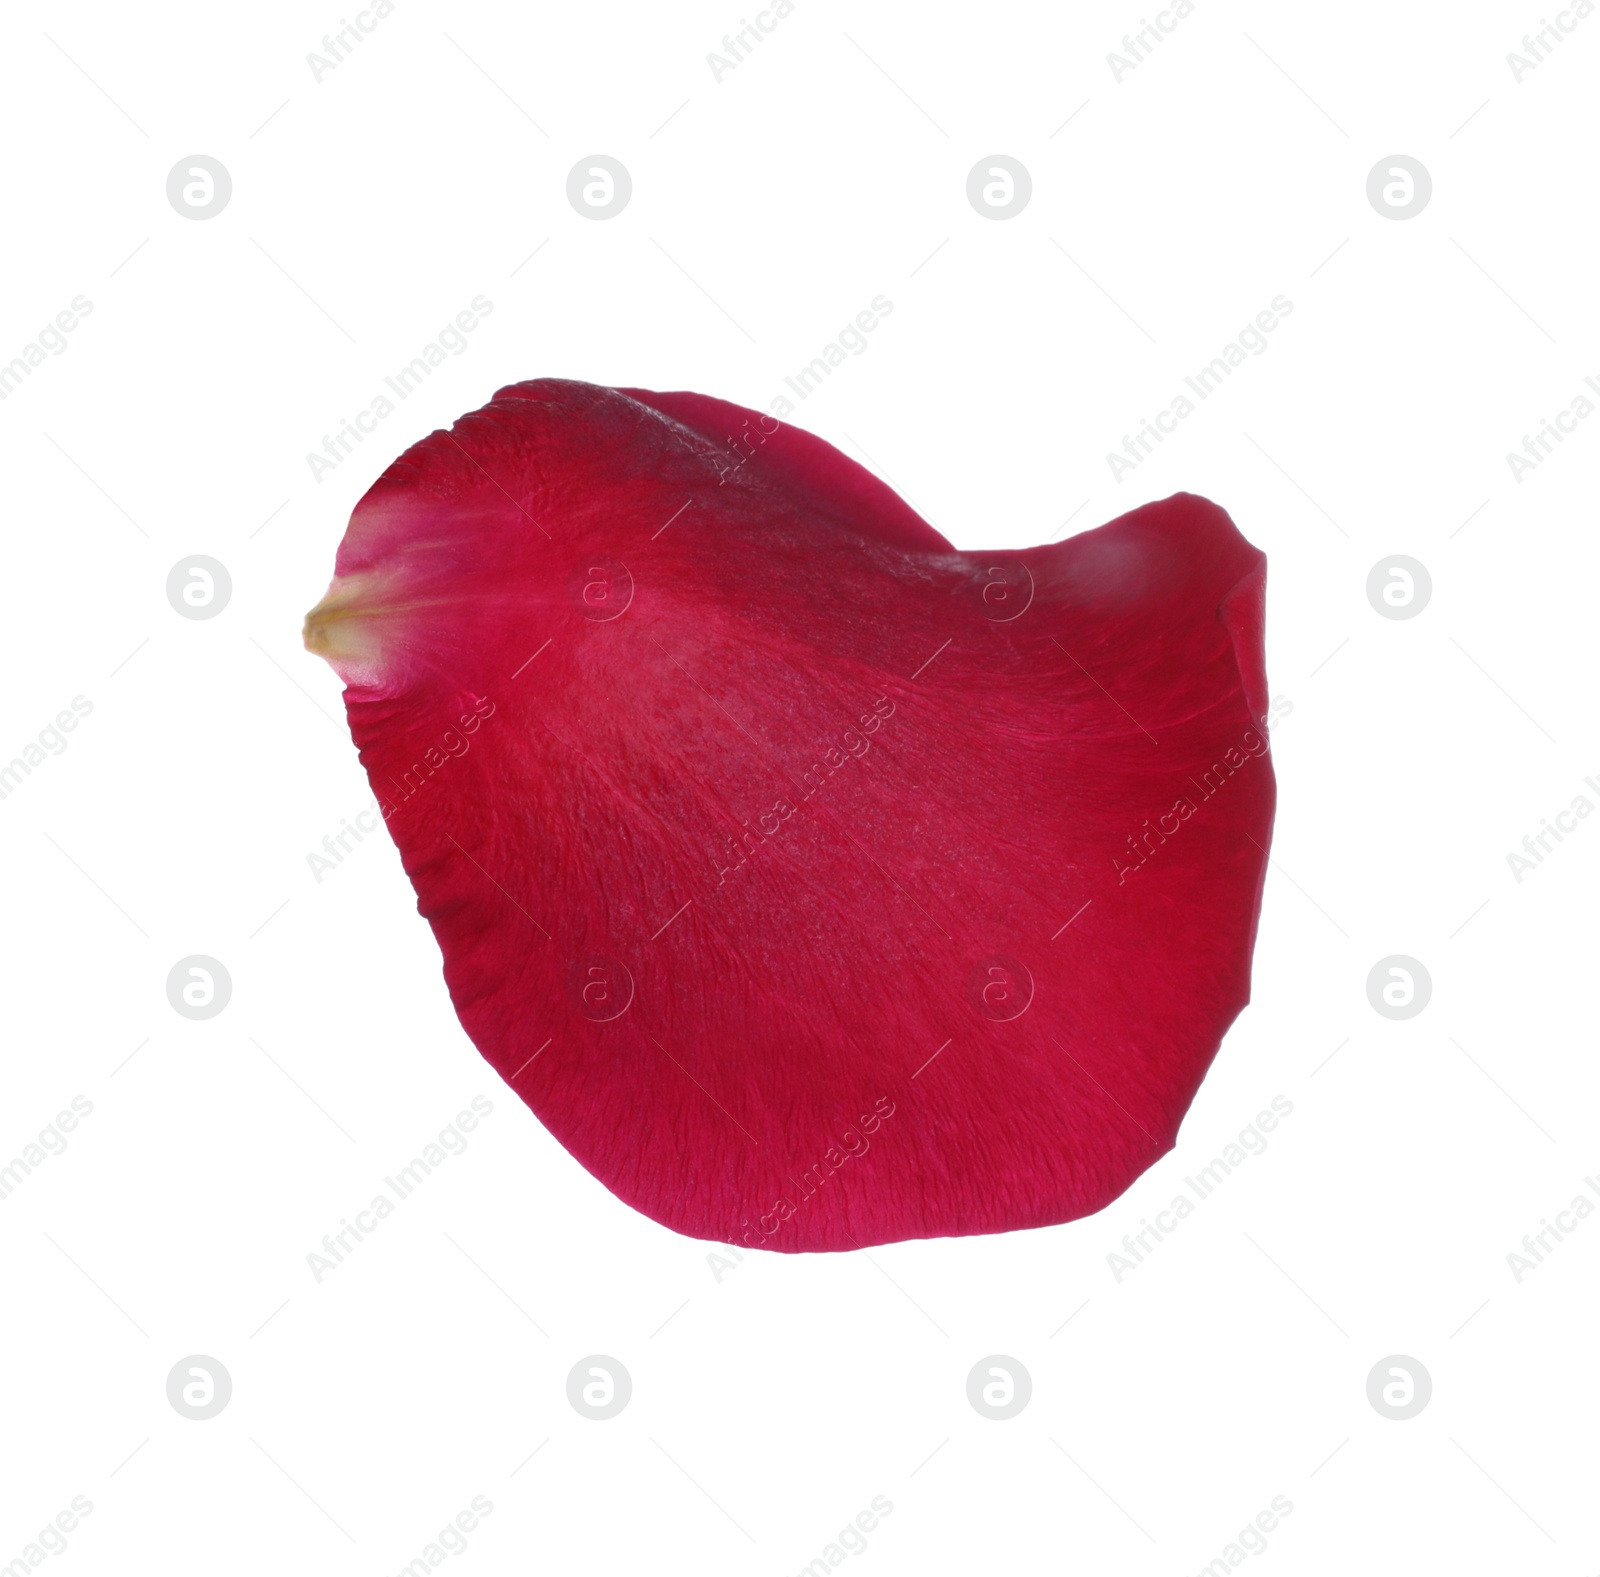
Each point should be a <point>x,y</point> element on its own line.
<point>772,1402</point>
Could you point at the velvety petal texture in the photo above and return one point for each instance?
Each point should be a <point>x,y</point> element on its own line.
<point>817,885</point>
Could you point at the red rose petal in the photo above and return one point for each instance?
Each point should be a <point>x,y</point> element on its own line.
<point>816,884</point>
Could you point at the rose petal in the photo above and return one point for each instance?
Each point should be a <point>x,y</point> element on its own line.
<point>816,884</point>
